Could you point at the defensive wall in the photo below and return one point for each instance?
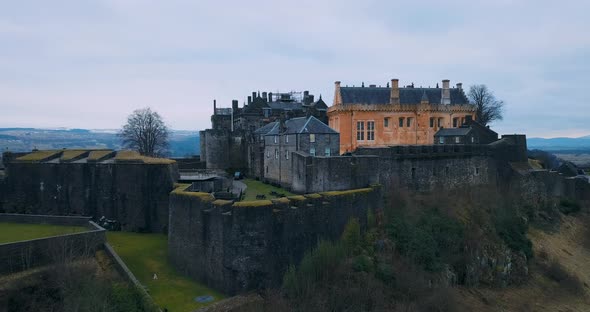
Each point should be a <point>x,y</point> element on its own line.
<point>23,255</point>
<point>122,186</point>
<point>316,174</point>
<point>241,246</point>
<point>223,149</point>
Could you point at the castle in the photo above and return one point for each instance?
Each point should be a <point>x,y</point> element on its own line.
<point>377,116</point>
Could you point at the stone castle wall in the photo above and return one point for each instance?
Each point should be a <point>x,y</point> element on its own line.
<point>19,256</point>
<point>136,195</point>
<point>223,149</point>
<point>317,174</point>
<point>249,245</point>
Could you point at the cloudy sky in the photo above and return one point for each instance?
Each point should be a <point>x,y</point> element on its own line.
<point>88,64</point>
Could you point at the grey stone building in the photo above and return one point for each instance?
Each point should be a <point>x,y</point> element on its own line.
<point>282,138</point>
<point>472,132</point>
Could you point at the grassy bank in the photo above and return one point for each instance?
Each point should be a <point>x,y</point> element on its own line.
<point>14,232</point>
<point>145,255</point>
<point>259,188</point>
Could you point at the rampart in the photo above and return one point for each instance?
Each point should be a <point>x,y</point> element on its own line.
<point>133,191</point>
<point>19,256</point>
<point>223,149</point>
<point>316,174</point>
<point>249,245</point>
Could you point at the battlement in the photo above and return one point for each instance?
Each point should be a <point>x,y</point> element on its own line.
<point>247,245</point>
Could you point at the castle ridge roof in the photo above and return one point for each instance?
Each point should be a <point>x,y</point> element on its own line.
<point>452,132</point>
<point>266,128</point>
<point>303,125</point>
<point>374,95</point>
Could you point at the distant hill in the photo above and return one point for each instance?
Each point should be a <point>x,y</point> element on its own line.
<point>182,143</point>
<point>560,144</point>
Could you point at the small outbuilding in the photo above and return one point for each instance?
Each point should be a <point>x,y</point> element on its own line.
<point>472,132</point>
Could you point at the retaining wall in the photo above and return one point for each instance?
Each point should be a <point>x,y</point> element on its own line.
<point>20,256</point>
<point>249,245</point>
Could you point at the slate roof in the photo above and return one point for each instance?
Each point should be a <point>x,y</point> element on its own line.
<point>266,128</point>
<point>303,125</point>
<point>371,95</point>
<point>452,132</point>
<point>320,104</point>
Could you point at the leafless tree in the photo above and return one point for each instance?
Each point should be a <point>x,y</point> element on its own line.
<point>146,133</point>
<point>488,107</point>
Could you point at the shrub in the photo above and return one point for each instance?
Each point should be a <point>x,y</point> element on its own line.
<point>385,273</point>
<point>351,236</point>
<point>567,206</point>
<point>317,265</point>
<point>362,263</point>
<point>433,240</point>
<point>512,230</point>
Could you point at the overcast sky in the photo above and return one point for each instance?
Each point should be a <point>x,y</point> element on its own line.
<point>88,64</point>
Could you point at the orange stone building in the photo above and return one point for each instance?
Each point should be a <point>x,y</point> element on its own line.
<point>376,116</point>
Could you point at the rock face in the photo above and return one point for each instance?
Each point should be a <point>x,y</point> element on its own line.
<point>249,245</point>
<point>133,192</point>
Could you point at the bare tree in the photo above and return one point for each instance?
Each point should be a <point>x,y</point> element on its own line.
<point>488,107</point>
<point>146,133</point>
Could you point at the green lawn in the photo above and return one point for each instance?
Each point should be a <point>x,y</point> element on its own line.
<point>257,187</point>
<point>146,254</point>
<point>14,232</point>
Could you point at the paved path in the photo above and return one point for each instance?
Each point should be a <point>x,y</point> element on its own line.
<point>238,186</point>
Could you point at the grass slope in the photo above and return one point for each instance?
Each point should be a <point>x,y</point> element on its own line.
<point>145,254</point>
<point>257,187</point>
<point>14,232</point>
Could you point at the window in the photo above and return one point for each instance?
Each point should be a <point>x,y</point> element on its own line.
<point>472,139</point>
<point>401,122</point>
<point>312,151</point>
<point>457,139</point>
<point>286,139</point>
<point>455,122</point>
<point>370,130</point>
<point>268,154</point>
<point>360,130</point>
<point>440,122</point>
<point>276,138</point>
<point>312,138</point>
<point>476,170</point>
<point>413,173</point>
<point>386,122</point>
<point>287,155</point>
<point>441,140</point>
<point>276,153</point>
<point>409,123</point>
<point>327,151</point>
<point>431,122</point>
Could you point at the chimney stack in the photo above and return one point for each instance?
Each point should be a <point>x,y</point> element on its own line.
<point>249,99</point>
<point>460,86</point>
<point>270,96</point>
<point>394,97</point>
<point>234,106</point>
<point>337,95</point>
<point>253,96</point>
<point>264,96</point>
<point>214,107</point>
<point>446,92</point>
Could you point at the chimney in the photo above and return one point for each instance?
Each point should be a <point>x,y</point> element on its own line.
<point>270,96</point>
<point>249,99</point>
<point>337,94</point>
<point>253,96</point>
<point>460,86</point>
<point>446,92</point>
<point>234,105</point>
<point>394,97</point>
<point>264,96</point>
<point>214,107</point>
